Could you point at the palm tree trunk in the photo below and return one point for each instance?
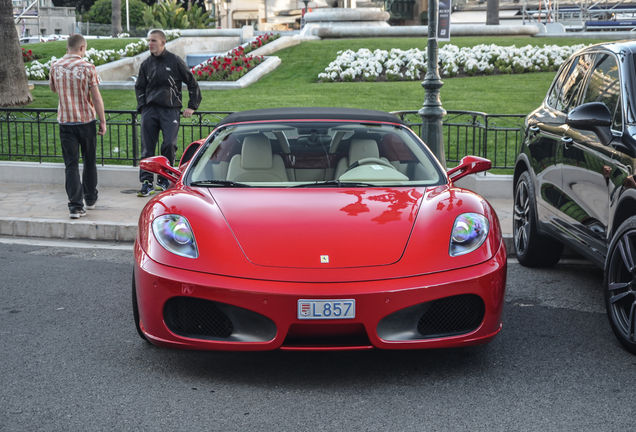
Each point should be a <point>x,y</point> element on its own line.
<point>14,86</point>
<point>116,18</point>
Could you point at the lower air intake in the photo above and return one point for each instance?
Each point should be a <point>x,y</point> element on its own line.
<point>445,317</point>
<point>452,316</point>
<point>192,317</point>
<point>205,319</point>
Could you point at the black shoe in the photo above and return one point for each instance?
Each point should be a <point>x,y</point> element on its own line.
<point>76,214</point>
<point>162,184</point>
<point>90,206</point>
<point>146,189</point>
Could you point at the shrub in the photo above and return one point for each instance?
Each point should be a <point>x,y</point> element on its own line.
<point>102,10</point>
<point>28,55</point>
<point>229,67</point>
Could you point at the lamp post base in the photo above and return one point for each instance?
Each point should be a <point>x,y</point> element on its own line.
<point>432,115</point>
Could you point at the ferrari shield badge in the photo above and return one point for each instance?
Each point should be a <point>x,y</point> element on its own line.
<point>324,259</point>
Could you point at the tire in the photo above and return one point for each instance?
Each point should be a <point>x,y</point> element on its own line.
<point>620,284</point>
<point>136,310</point>
<point>532,249</point>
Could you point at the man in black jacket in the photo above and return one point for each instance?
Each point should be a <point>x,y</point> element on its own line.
<point>158,90</point>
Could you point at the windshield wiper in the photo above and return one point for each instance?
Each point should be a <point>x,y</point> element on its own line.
<point>336,183</point>
<point>218,183</point>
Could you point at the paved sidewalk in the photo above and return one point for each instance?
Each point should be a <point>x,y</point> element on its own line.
<point>30,210</point>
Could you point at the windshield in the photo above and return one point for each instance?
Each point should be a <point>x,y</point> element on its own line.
<point>314,153</point>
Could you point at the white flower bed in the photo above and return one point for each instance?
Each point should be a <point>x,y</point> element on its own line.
<point>40,71</point>
<point>398,65</point>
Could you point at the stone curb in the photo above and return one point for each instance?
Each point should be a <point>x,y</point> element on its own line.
<point>279,44</point>
<point>69,230</point>
<point>509,241</point>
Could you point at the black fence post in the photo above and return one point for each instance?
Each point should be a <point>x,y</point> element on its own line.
<point>9,133</point>
<point>135,130</point>
<point>486,137</point>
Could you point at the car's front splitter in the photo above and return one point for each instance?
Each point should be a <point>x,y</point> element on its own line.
<point>191,310</point>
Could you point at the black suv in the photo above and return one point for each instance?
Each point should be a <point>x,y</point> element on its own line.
<point>574,177</point>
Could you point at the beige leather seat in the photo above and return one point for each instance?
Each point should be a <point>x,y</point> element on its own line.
<point>256,162</point>
<point>359,149</point>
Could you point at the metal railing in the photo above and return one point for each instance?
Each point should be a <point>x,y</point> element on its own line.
<point>33,135</point>
<point>497,137</point>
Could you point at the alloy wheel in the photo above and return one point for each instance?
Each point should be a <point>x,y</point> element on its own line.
<point>521,217</point>
<point>621,285</point>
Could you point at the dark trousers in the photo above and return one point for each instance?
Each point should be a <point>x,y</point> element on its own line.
<point>75,138</point>
<point>153,120</point>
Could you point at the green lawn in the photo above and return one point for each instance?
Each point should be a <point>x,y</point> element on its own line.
<point>294,82</point>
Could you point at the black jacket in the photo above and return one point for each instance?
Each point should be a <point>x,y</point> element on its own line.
<point>160,80</point>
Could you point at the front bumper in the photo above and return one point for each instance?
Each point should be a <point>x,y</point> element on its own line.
<point>191,310</point>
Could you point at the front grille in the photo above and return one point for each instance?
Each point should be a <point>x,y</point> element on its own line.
<point>193,317</point>
<point>452,316</point>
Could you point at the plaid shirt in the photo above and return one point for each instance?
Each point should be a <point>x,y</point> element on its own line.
<point>73,77</point>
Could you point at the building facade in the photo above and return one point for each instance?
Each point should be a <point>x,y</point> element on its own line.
<point>41,17</point>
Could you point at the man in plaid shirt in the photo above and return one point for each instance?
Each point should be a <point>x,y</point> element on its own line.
<point>76,82</point>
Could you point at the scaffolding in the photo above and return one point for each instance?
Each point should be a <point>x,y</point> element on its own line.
<point>582,15</point>
<point>27,14</point>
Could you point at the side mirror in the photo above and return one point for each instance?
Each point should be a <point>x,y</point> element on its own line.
<point>469,165</point>
<point>160,165</point>
<point>189,153</point>
<point>592,116</point>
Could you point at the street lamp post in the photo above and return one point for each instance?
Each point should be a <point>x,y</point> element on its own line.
<point>432,112</point>
<point>227,5</point>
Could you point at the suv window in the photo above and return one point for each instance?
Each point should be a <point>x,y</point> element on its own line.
<point>553,96</point>
<point>572,83</point>
<point>604,86</point>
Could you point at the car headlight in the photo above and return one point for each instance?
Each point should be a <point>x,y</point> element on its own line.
<point>469,232</point>
<point>175,235</point>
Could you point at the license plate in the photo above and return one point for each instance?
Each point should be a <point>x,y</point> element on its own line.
<point>326,309</point>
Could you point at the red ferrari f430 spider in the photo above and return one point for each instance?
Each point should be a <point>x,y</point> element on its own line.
<point>316,229</point>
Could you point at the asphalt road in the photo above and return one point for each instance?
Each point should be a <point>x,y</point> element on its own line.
<point>71,361</point>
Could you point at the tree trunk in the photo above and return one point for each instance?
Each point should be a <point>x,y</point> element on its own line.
<point>492,12</point>
<point>116,18</point>
<point>14,86</point>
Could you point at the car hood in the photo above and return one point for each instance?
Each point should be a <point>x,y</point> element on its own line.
<point>320,228</point>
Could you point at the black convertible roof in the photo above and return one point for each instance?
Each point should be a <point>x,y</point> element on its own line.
<point>310,114</point>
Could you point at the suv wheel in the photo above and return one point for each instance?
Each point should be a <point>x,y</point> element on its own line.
<point>620,284</point>
<point>532,249</point>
